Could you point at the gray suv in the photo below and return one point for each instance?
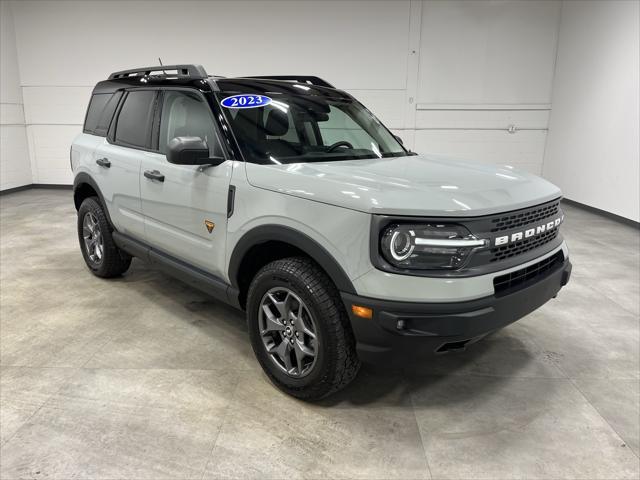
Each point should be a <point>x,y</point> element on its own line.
<point>285,197</point>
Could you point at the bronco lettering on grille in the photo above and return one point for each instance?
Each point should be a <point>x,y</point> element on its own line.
<point>528,233</point>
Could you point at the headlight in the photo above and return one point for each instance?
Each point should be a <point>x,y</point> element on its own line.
<point>428,246</point>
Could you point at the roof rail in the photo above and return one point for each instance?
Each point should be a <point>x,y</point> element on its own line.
<point>297,78</point>
<point>195,71</point>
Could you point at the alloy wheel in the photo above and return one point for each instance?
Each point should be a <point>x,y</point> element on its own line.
<point>92,235</point>
<point>288,332</point>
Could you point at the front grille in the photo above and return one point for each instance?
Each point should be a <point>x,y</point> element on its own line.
<point>492,258</point>
<point>521,278</point>
<point>516,248</point>
<point>526,217</point>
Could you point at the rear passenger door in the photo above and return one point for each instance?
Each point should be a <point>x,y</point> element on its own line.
<point>119,160</point>
<point>84,150</point>
<point>185,206</point>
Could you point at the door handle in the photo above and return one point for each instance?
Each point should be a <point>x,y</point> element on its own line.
<point>154,175</point>
<point>104,162</point>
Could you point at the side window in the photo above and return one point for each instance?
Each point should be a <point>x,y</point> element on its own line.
<point>135,118</point>
<point>186,114</point>
<point>107,114</point>
<point>96,107</point>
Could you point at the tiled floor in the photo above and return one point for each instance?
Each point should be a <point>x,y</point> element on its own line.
<point>143,377</point>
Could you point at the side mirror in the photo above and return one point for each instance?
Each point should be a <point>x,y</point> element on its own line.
<point>399,139</point>
<point>190,151</point>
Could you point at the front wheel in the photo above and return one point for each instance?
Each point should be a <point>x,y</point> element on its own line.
<point>299,329</point>
<point>100,252</point>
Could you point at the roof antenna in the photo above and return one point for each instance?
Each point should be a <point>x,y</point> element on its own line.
<point>160,60</point>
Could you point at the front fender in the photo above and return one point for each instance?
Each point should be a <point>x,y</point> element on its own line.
<point>271,232</point>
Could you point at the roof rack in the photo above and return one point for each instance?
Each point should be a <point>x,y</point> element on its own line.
<point>297,78</point>
<point>194,71</point>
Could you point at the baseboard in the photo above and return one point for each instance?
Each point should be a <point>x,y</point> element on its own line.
<point>15,189</point>
<point>54,186</point>
<point>604,213</point>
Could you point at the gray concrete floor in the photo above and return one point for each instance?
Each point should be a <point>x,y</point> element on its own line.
<point>143,377</point>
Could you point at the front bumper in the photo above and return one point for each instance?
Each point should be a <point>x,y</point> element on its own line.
<point>400,329</point>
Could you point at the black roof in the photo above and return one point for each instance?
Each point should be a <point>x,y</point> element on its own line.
<point>268,85</point>
<point>195,76</point>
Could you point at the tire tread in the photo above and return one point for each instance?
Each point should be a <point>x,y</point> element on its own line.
<point>344,362</point>
<point>115,262</point>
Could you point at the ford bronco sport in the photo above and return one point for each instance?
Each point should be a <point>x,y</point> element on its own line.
<point>287,198</point>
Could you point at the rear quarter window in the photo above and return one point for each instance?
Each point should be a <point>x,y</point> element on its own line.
<point>100,112</point>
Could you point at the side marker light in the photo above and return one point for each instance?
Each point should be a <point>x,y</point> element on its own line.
<point>362,312</point>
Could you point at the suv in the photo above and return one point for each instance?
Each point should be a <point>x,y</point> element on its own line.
<point>287,198</point>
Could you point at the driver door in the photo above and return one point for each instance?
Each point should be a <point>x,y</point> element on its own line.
<point>185,206</point>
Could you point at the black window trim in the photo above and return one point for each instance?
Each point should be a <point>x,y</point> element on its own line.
<point>111,135</point>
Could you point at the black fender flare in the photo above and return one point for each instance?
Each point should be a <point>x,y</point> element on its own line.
<point>266,233</point>
<point>84,178</point>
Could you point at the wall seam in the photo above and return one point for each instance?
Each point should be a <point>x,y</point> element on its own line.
<point>413,68</point>
<point>33,163</point>
<point>553,82</point>
<point>29,166</point>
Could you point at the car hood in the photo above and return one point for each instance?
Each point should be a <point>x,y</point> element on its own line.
<point>413,185</point>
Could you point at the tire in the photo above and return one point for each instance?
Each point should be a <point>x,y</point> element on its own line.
<point>335,362</point>
<point>111,262</point>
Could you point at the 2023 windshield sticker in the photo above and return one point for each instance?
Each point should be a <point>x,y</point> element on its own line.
<point>245,101</point>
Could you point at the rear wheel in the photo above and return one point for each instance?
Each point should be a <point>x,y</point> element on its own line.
<point>299,329</point>
<point>100,253</point>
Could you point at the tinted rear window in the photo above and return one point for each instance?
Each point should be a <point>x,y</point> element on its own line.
<point>134,120</point>
<point>107,114</point>
<point>96,106</point>
<point>100,113</point>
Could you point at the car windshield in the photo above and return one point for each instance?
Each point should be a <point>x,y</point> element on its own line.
<point>306,128</point>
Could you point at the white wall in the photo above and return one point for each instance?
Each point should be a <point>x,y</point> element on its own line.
<point>449,77</point>
<point>593,148</point>
<point>15,169</point>
<point>485,65</point>
<point>64,48</point>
